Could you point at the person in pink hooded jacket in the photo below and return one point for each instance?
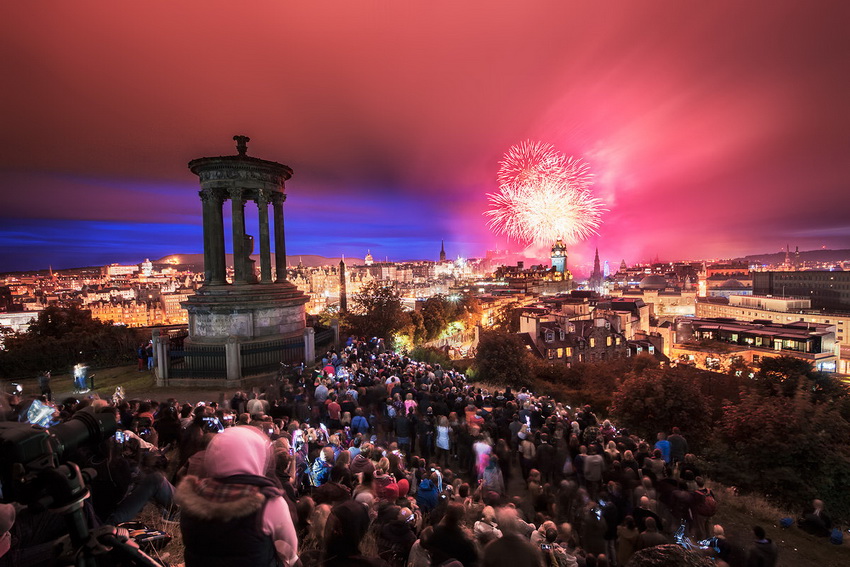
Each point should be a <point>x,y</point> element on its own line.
<point>237,515</point>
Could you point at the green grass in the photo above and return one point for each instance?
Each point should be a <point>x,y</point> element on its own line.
<point>106,379</point>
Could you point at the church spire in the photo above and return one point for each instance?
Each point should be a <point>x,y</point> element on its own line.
<point>596,276</point>
<point>442,250</point>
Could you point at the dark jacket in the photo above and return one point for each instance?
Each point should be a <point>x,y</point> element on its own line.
<point>227,532</point>
<point>763,554</point>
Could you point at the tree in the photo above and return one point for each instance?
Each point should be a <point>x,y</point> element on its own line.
<point>434,317</point>
<point>60,338</point>
<point>466,309</point>
<point>784,375</point>
<point>791,448</point>
<point>57,322</point>
<point>659,399</point>
<point>377,311</point>
<point>503,358</point>
<point>506,318</point>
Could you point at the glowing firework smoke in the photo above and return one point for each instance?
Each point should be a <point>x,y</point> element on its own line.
<point>544,195</point>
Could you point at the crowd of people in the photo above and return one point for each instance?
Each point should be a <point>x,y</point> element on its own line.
<point>376,459</point>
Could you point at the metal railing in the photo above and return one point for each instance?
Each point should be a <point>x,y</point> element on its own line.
<point>260,358</point>
<point>198,361</point>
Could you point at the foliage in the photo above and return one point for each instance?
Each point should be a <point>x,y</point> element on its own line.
<point>58,322</point>
<point>440,312</point>
<point>659,399</point>
<point>376,311</point>
<point>434,317</point>
<point>791,448</point>
<point>585,383</point>
<point>60,338</point>
<point>784,375</point>
<point>503,359</point>
<point>431,355</point>
<point>506,318</point>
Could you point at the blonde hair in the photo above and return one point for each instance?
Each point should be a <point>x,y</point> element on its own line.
<point>383,465</point>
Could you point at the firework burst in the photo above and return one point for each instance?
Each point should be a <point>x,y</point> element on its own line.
<point>544,195</point>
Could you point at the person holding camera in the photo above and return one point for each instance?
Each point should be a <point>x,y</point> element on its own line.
<point>554,554</point>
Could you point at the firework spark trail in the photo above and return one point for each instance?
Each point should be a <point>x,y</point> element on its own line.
<point>544,195</point>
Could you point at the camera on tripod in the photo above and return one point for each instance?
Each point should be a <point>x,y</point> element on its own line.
<point>28,453</point>
<point>34,472</point>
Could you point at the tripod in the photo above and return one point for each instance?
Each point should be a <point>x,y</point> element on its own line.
<point>84,547</point>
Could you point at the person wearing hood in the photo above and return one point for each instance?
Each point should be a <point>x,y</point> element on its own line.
<point>428,494</point>
<point>236,516</point>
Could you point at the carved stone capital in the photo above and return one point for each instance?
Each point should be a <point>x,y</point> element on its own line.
<point>211,196</point>
<point>278,198</point>
<point>264,198</point>
<point>236,193</point>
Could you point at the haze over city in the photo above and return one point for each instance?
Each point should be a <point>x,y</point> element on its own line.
<point>712,130</point>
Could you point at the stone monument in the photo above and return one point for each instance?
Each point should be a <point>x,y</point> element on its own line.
<point>254,311</point>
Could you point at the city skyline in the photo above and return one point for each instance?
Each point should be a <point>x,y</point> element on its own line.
<point>713,131</point>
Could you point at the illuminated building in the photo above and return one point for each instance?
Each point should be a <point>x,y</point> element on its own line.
<point>558,340</point>
<point>782,310</point>
<point>718,343</point>
<point>559,256</point>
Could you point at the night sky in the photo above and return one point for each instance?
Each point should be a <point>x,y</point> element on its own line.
<point>715,129</point>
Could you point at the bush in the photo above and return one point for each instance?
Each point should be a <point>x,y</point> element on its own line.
<point>502,358</point>
<point>659,399</point>
<point>431,355</point>
<point>792,449</point>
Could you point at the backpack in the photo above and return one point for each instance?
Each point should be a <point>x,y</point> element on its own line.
<point>707,505</point>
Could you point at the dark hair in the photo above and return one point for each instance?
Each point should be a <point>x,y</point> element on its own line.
<point>758,531</point>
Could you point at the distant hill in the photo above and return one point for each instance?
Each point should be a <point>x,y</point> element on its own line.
<point>805,256</point>
<point>195,262</point>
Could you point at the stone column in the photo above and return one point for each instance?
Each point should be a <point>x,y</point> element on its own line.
<point>214,243</point>
<point>309,345</point>
<point>335,327</point>
<point>279,238</point>
<point>240,271</point>
<point>265,248</point>
<point>233,358</point>
<point>160,348</point>
<point>207,199</point>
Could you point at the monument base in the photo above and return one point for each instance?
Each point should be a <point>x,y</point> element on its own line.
<point>251,311</point>
<point>242,332</point>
